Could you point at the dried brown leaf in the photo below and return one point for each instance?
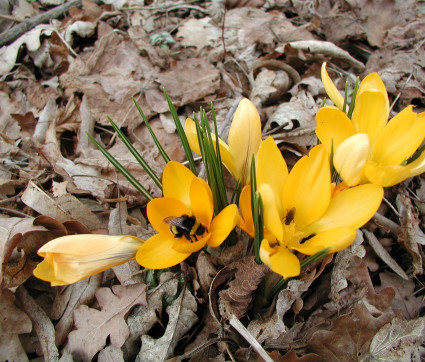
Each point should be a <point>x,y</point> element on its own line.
<point>237,298</point>
<point>181,318</point>
<point>74,295</point>
<point>405,298</point>
<point>14,322</point>
<point>350,336</point>
<point>411,234</point>
<point>399,340</point>
<point>384,254</point>
<point>143,317</point>
<point>94,326</point>
<point>42,324</point>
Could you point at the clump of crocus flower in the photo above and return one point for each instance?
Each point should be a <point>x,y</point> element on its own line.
<point>185,196</point>
<point>367,148</point>
<point>301,211</point>
<point>243,140</point>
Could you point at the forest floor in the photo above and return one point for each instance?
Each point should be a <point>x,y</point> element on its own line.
<point>65,74</point>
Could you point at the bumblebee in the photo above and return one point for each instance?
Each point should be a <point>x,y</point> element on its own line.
<point>185,225</point>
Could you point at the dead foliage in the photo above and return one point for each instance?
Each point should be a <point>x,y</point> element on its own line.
<point>62,77</point>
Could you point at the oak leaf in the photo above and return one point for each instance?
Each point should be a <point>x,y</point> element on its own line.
<point>94,326</point>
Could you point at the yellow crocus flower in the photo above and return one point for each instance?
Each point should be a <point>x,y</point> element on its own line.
<point>244,140</point>
<point>71,258</point>
<point>183,219</point>
<point>366,147</point>
<point>301,211</point>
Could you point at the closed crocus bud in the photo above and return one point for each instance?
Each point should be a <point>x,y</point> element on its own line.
<point>71,258</point>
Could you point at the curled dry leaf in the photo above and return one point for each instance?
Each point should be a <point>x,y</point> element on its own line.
<point>95,326</point>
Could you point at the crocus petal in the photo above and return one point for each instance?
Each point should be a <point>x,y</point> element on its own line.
<point>201,205</point>
<point>386,175</point>
<point>45,271</point>
<point>350,208</point>
<point>71,258</point>
<point>244,138</point>
<point>400,138</point>
<point>333,127</point>
<point>161,209</point>
<point>176,181</point>
<point>82,244</point>
<point>337,239</point>
<point>371,110</point>
<point>418,166</point>
<point>332,91</point>
<point>272,218</point>
<point>246,222</point>
<point>183,245</point>
<point>350,158</point>
<point>272,170</point>
<point>280,260</point>
<point>192,137</point>
<point>222,225</point>
<point>158,253</point>
<point>308,187</point>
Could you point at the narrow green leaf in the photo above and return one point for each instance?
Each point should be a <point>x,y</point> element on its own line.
<point>136,154</point>
<point>182,135</point>
<point>155,139</point>
<point>122,169</point>
<point>344,106</point>
<point>353,98</point>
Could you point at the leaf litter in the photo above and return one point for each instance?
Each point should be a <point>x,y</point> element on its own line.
<point>62,79</point>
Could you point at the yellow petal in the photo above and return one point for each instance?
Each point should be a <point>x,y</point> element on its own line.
<point>280,260</point>
<point>202,207</point>
<point>351,208</point>
<point>63,266</point>
<point>308,187</point>
<point>272,218</point>
<point>333,127</point>
<point>45,271</point>
<point>222,225</point>
<point>272,170</point>
<point>350,158</point>
<point>371,110</point>
<point>82,244</point>
<point>400,138</point>
<point>192,137</point>
<point>183,245</point>
<point>160,209</point>
<point>246,223</point>
<point>337,239</point>
<point>386,175</point>
<point>244,138</point>
<point>158,253</point>
<point>418,166</point>
<point>330,88</point>
<point>176,181</point>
